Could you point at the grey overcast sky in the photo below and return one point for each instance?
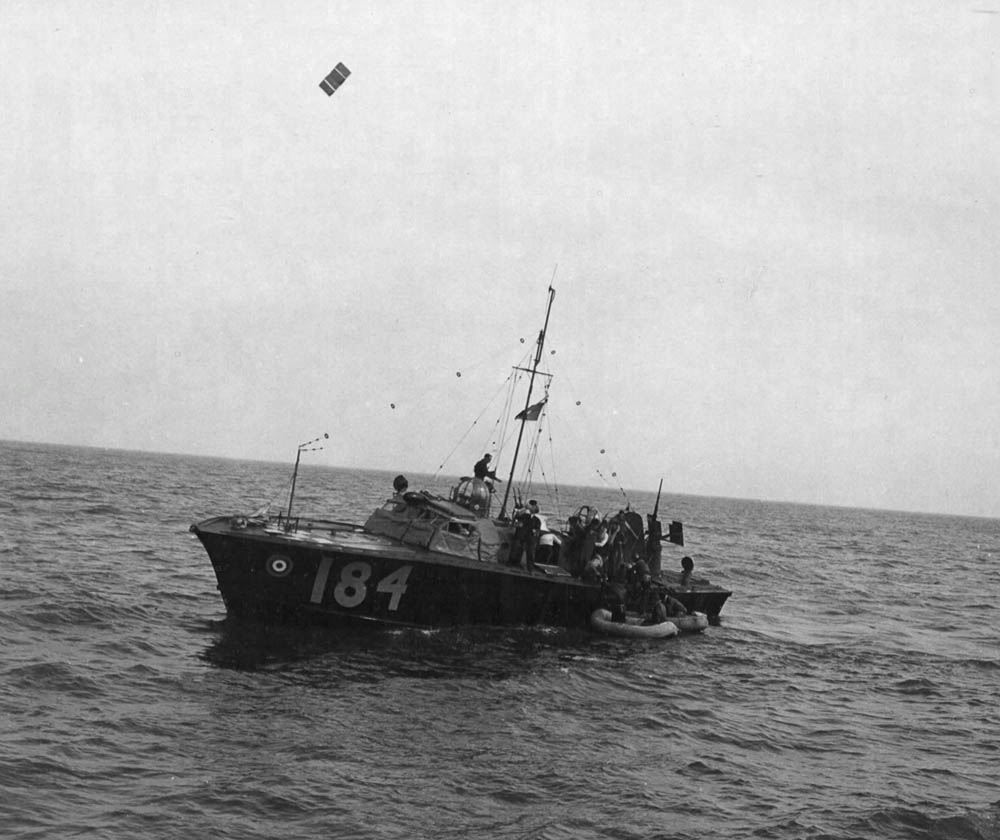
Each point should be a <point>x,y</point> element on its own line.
<point>773,227</point>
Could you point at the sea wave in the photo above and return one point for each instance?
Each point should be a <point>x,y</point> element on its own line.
<point>913,824</point>
<point>849,691</point>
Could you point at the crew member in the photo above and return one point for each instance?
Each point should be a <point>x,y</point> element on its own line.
<point>656,610</point>
<point>482,469</point>
<point>521,536</point>
<point>673,606</point>
<point>613,593</point>
<point>546,539</point>
<point>687,564</point>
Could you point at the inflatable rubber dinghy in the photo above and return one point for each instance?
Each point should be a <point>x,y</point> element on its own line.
<point>632,627</point>
<point>691,623</point>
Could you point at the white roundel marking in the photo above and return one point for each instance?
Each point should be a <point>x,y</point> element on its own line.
<point>278,565</point>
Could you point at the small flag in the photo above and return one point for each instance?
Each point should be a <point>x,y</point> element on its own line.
<point>676,533</point>
<point>532,412</point>
<point>336,77</point>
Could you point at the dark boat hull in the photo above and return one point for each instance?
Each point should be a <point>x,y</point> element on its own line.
<point>269,576</point>
<point>326,573</point>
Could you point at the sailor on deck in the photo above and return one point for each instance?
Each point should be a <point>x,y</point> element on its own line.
<point>546,539</point>
<point>483,472</point>
<point>687,564</point>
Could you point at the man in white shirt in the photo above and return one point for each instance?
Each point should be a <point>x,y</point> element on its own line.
<point>546,539</point>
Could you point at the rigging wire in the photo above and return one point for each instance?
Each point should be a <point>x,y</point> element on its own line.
<point>590,439</point>
<point>538,462</point>
<point>503,421</point>
<point>498,433</point>
<point>475,422</point>
<point>628,503</point>
<point>265,508</point>
<point>555,484</point>
<point>535,463</point>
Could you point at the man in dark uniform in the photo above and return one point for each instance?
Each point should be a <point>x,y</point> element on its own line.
<point>482,468</point>
<point>522,542</point>
<point>532,531</point>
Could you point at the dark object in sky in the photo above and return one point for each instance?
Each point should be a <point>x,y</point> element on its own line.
<point>337,76</point>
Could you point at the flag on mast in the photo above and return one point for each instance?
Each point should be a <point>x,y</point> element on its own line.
<point>532,412</point>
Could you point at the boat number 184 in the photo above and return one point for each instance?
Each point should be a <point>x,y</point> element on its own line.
<point>355,580</point>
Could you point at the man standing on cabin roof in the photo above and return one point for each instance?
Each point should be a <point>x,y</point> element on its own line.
<point>482,470</point>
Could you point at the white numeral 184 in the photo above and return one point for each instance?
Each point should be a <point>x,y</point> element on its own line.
<point>352,588</point>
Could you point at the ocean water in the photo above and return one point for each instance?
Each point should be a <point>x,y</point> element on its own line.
<point>852,690</point>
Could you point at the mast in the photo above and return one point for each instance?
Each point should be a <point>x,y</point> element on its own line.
<point>303,447</point>
<point>527,401</point>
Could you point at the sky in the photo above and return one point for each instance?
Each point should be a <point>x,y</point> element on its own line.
<point>771,227</point>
